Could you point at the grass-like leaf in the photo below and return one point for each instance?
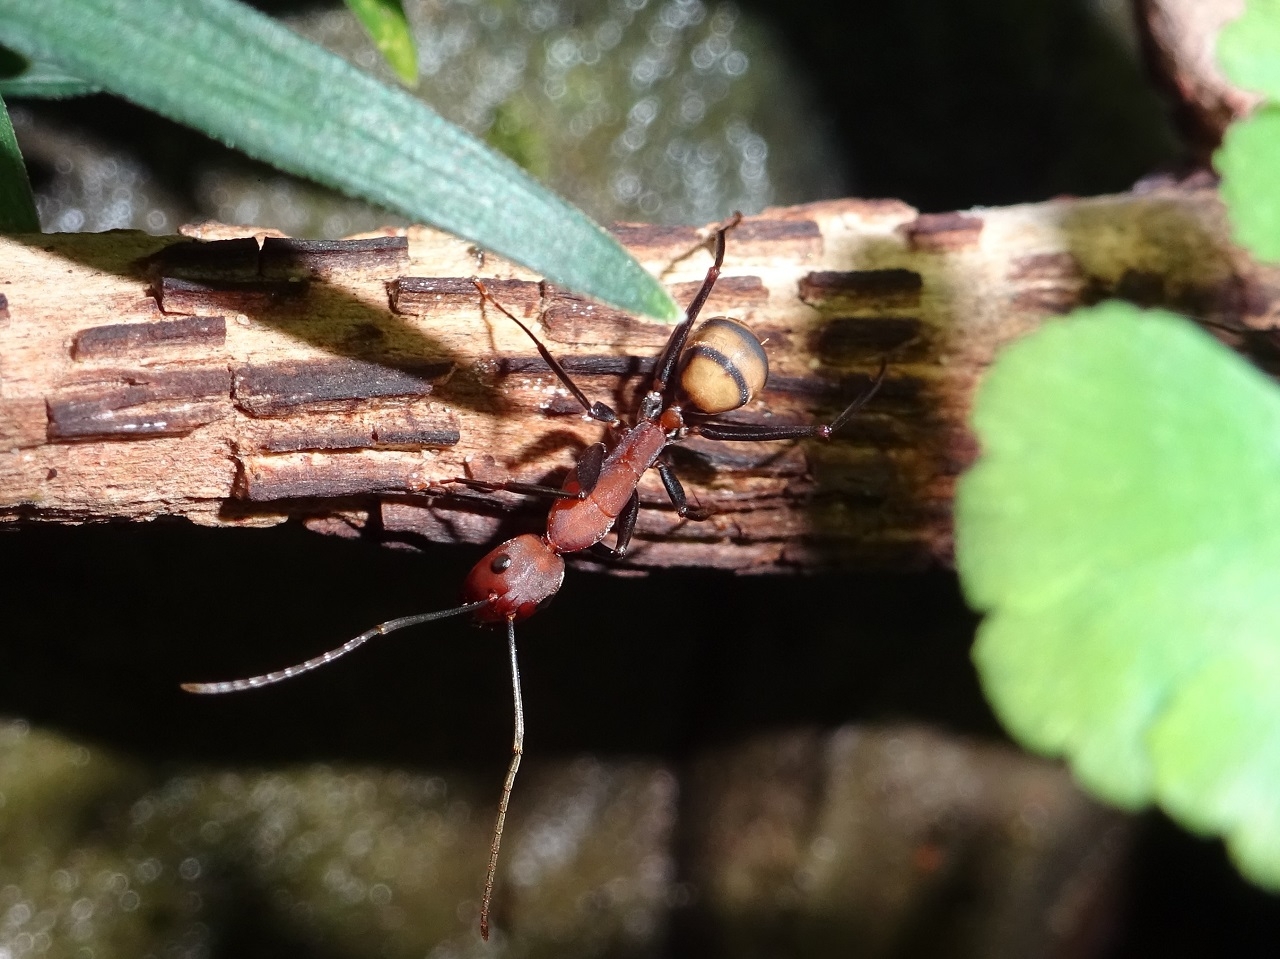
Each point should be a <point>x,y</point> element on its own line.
<point>19,77</point>
<point>239,76</point>
<point>385,22</point>
<point>17,207</point>
<point>1122,532</point>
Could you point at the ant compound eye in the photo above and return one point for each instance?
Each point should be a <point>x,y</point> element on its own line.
<point>724,366</point>
<point>501,563</point>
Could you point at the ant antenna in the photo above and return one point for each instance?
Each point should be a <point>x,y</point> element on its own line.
<point>390,626</point>
<point>517,751</point>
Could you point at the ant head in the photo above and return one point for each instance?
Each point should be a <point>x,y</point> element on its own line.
<point>723,366</point>
<point>515,577</point>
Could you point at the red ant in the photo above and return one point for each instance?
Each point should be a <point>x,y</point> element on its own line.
<point>720,368</point>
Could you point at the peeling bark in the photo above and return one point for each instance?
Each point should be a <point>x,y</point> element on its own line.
<point>246,381</point>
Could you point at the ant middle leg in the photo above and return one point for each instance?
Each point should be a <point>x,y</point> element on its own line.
<point>626,523</point>
<point>623,528</point>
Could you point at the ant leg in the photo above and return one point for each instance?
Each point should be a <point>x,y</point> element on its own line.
<point>675,343</point>
<point>530,489</point>
<point>586,472</point>
<point>517,751</point>
<point>577,485</point>
<point>623,528</point>
<point>729,222</point>
<point>823,431</point>
<point>678,498</point>
<point>626,523</point>
<point>597,411</point>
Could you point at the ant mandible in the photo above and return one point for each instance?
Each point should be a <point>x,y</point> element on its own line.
<point>719,368</point>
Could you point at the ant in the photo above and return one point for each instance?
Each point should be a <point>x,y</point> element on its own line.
<point>719,368</point>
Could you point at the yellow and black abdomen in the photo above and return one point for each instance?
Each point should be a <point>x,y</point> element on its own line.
<point>724,366</point>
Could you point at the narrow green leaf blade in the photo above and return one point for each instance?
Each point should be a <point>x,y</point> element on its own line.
<point>223,68</point>
<point>17,207</point>
<point>19,77</point>
<point>386,24</point>
<point>1121,529</point>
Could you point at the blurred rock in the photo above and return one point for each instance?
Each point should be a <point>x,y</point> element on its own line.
<point>898,842</point>
<point>866,841</point>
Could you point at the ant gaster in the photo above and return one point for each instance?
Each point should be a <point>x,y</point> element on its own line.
<point>719,368</point>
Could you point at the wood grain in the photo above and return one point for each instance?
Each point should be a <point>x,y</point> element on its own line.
<point>241,379</point>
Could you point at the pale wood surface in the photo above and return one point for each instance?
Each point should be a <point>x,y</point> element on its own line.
<point>146,376</point>
<point>1180,39</point>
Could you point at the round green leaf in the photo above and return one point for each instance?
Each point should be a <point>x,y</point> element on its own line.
<point>1247,48</point>
<point>1122,531</point>
<point>1217,757</point>
<point>1248,160</point>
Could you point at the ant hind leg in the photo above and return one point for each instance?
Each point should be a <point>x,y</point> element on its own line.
<point>743,432</point>
<point>600,412</point>
<point>578,484</point>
